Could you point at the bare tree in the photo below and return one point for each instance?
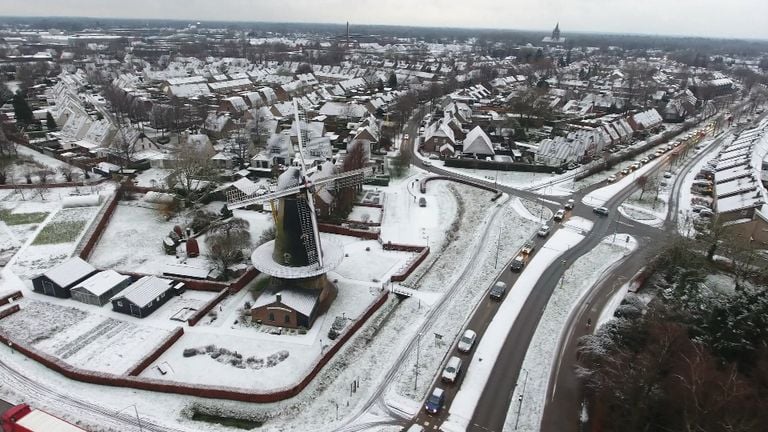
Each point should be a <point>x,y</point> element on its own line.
<point>191,166</point>
<point>227,242</point>
<point>44,174</point>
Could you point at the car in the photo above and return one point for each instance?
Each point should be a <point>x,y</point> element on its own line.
<point>543,231</point>
<point>518,263</point>
<point>415,428</point>
<point>644,160</point>
<point>569,204</point>
<point>667,174</point>
<point>426,163</point>
<point>528,247</point>
<point>434,157</point>
<point>602,211</point>
<point>405,137</point>
<point>422,202</point>
<point>611,179</point>
<point>467,341</point>
<point>435,401</point>
<point>452,370</point>
<point>498,290</point>
<point>707,213</point>
<point>625,171</point>
<point>559,215</point>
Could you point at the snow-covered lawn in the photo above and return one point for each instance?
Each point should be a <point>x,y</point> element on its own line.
<point>80,338</point>
<point>153,177</point>
<point>144,229</point>
<point>365,214</point>
<point>578,279</point>
<point>65,226</point>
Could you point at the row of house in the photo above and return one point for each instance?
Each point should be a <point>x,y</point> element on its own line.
<point>740,179</point>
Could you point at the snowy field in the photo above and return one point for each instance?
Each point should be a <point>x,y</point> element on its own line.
<point>80,338</point>
<point>578,279</point>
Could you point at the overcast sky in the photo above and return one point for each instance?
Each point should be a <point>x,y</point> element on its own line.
<point>716,18</point>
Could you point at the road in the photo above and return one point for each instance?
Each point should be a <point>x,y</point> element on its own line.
<point>4,405</point>
<point>492,408</point>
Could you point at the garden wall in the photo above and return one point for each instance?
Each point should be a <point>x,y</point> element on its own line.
<point>4,300</point>
<point>194,319</point>
<point>335,229</point>
<point>161,348</point>
<point>10,311</point>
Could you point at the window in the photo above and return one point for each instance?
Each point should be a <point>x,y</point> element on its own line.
<point>287,319</point>
<point>271,316</point>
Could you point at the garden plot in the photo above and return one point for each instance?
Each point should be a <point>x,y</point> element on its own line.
<point>54,242</point>
<point>82,339</point>
<point>66,226</point>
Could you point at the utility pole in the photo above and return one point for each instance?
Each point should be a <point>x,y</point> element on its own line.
<point>498,248</point>
<point>416,380</point>
<point>520,399</point>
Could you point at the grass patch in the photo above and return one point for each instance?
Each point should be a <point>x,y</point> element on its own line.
<point>21,218</point>
<point>226,421</point>
<point>60,232</point>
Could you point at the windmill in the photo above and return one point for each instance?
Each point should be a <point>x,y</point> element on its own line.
<point>297,258</point>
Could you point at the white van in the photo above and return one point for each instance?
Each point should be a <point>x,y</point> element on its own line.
<point>452,370</point>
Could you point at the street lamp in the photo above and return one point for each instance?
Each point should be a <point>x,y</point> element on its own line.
<point>520,398</point>
<point>136,410</point>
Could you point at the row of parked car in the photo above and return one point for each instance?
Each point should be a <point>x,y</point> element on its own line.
<point>451,372</point>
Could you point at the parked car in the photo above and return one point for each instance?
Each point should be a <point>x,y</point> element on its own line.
<point>602,211</point>
<point>426,163</point>
<point>435,401</point>
<point>528,247</point>
<point>611,179</point>
<point>625,171</point>
<point>543,231</point>
<point>498,290</point>
<point>559,215</point>
<point>452,370</point>
<point>667,174</point>
<point>467,341</point>
<point>415,428</point>
<point>422,202</point>
<point>518,263</point>
<point>569,204</point>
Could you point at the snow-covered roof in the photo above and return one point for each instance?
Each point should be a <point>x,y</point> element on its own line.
<point>69,272</point>
<point>38,420</point>
<point>145,290</point>
<point>101,282</point>
<point>185,270</point>
<point>477,142</point>
<point>302,301</point>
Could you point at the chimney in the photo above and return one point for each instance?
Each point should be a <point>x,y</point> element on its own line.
<point>278,298</point>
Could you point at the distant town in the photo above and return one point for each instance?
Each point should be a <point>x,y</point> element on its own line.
<point>210,226</point>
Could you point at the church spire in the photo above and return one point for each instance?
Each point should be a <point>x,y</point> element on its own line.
<point>556,32</point>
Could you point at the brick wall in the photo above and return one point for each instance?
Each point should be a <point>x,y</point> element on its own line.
<point>10,311</point>
<point>101,225</point>
<point>144,363</point>
<point>335,229</point>
<point>197,316</point>
<point>12,296</point>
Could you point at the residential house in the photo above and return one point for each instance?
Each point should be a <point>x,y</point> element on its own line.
<point>478,143</point>
<point>291,308</point>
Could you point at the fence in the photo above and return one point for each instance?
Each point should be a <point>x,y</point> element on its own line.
<point>422,255</point>
<point>91,238</point>
<point>335,229</point>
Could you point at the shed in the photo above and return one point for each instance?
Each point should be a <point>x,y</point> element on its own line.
<point>99,288</point>
<point>144,296</point>
<point>58,281</point>
<point>291,307</point>
<point>185,271</point>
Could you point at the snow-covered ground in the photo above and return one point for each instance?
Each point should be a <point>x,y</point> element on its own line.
<point>82,339</point>
<point>538,365</point>
<point>365,214</point>
<point>153,177</point>
<point>489,346</point>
